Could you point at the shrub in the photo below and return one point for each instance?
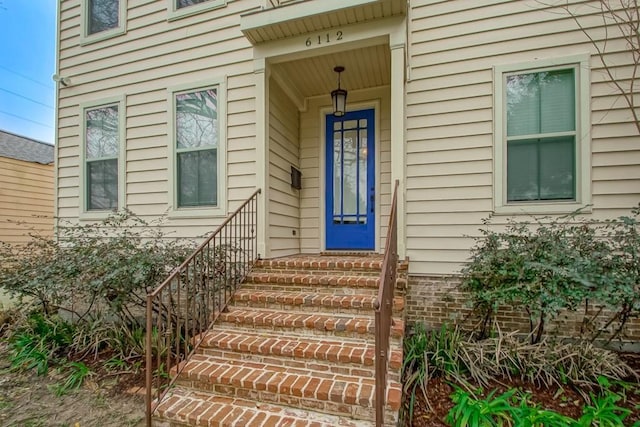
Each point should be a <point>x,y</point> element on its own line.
<point>549,265</point>
<point>85,292</point>
<point>97,271</point>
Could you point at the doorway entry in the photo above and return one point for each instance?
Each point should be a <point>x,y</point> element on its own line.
<point>350,181</point>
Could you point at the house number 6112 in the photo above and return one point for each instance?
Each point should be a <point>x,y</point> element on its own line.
<point>323,38</point>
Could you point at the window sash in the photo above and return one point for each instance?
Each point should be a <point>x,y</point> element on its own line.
<point>101,152</point>
<point>103,15</point>
<point>180,4</point>
<point>197,177</point>
<point>102,184</point>
<point>541,169</point>
<point>196,147</point>
<point>536,170</point>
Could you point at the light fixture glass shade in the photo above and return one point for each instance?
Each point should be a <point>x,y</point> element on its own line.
<point>339,100</point>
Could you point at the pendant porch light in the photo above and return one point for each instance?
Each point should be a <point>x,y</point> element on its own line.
<point>339,96</point>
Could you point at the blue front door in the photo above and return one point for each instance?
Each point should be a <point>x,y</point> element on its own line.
<point>350,185</point>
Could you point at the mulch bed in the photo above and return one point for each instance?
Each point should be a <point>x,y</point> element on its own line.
<point>565,401</point>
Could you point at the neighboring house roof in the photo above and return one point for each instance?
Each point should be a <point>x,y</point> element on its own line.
<point>27,149</point>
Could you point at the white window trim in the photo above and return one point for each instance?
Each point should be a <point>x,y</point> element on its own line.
<point>580,63</point>
<point>86,38</point>
<point>199,211</point>
<point>120,101</point>
<point>175,13</point>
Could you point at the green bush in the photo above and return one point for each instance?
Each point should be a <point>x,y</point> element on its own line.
<point>96,271</point>
<point>550,265</point>
<point>85,292</point>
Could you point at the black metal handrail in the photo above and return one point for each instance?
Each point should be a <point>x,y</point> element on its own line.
<point>384,309</point>
<point>186,304</point>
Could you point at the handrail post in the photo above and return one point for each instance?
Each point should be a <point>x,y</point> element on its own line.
<point>384,309</point>
<point>148,362</point>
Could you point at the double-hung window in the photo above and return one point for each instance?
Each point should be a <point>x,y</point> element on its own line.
<point>180,8</point>
<point>102,144</point>
<point>103,19</point>
<point>542,145</point>
<point>198,158</point>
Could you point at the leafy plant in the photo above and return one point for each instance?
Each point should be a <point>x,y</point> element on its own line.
<point>77,373</point>
<point>528,414</point>
<point>415,366</point>
<point>38,341</point>
<point>469,411</point>
<point>604,411</point>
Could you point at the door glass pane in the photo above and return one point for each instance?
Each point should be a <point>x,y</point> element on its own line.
<point>362,165</point>
<point>350,173</point>
<point>350,124</point>
<point>337,174</point>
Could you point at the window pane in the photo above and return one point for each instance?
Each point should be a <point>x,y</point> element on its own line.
<point>350,172</point>
<point>362,165</point>
<point>522,171</point>
<point>197,119</point>
<point>541,169</point>
<point>557,160</point>
<point>557,97</point>
<point>523,102</point>
<point>541,102</point>
<point>198,178</point>
<point>103,15</point>
<point>102,132</point>
<point>337,174</point>
<point>184,3</point>
<point>102,185</point>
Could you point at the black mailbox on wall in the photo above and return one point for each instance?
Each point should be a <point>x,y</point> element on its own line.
<point>296,178</point>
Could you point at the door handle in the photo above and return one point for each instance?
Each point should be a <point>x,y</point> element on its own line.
<point>372,201</point>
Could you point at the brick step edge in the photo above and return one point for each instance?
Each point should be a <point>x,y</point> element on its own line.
<point>333,280</point>
<point>339,394</point>
<point>298,347</point>
<point>190,408</point>
<point>325,323</point>
<point>257,298</point>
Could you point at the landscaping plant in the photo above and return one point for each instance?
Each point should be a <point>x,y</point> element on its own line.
<point>84,293</point>
<point>550,265</point>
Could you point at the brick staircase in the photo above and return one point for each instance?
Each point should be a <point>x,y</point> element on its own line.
<point>295,348</point>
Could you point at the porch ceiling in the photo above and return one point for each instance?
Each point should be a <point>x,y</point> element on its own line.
<point>364,68</point>
<point>306,16</point>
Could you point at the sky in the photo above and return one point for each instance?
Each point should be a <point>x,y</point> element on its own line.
<point>27,62</point>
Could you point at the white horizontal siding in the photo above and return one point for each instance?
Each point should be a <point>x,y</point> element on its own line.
<point>453,48</point>
<point>153,56</point>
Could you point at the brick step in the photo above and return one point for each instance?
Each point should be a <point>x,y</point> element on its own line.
<point>359,327</point>
<point>335,394</point>
<point>315,283</point>
<point>324,264</point>
<point>334,356</point>
<point>310,302</point>
<point>189,408</point>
